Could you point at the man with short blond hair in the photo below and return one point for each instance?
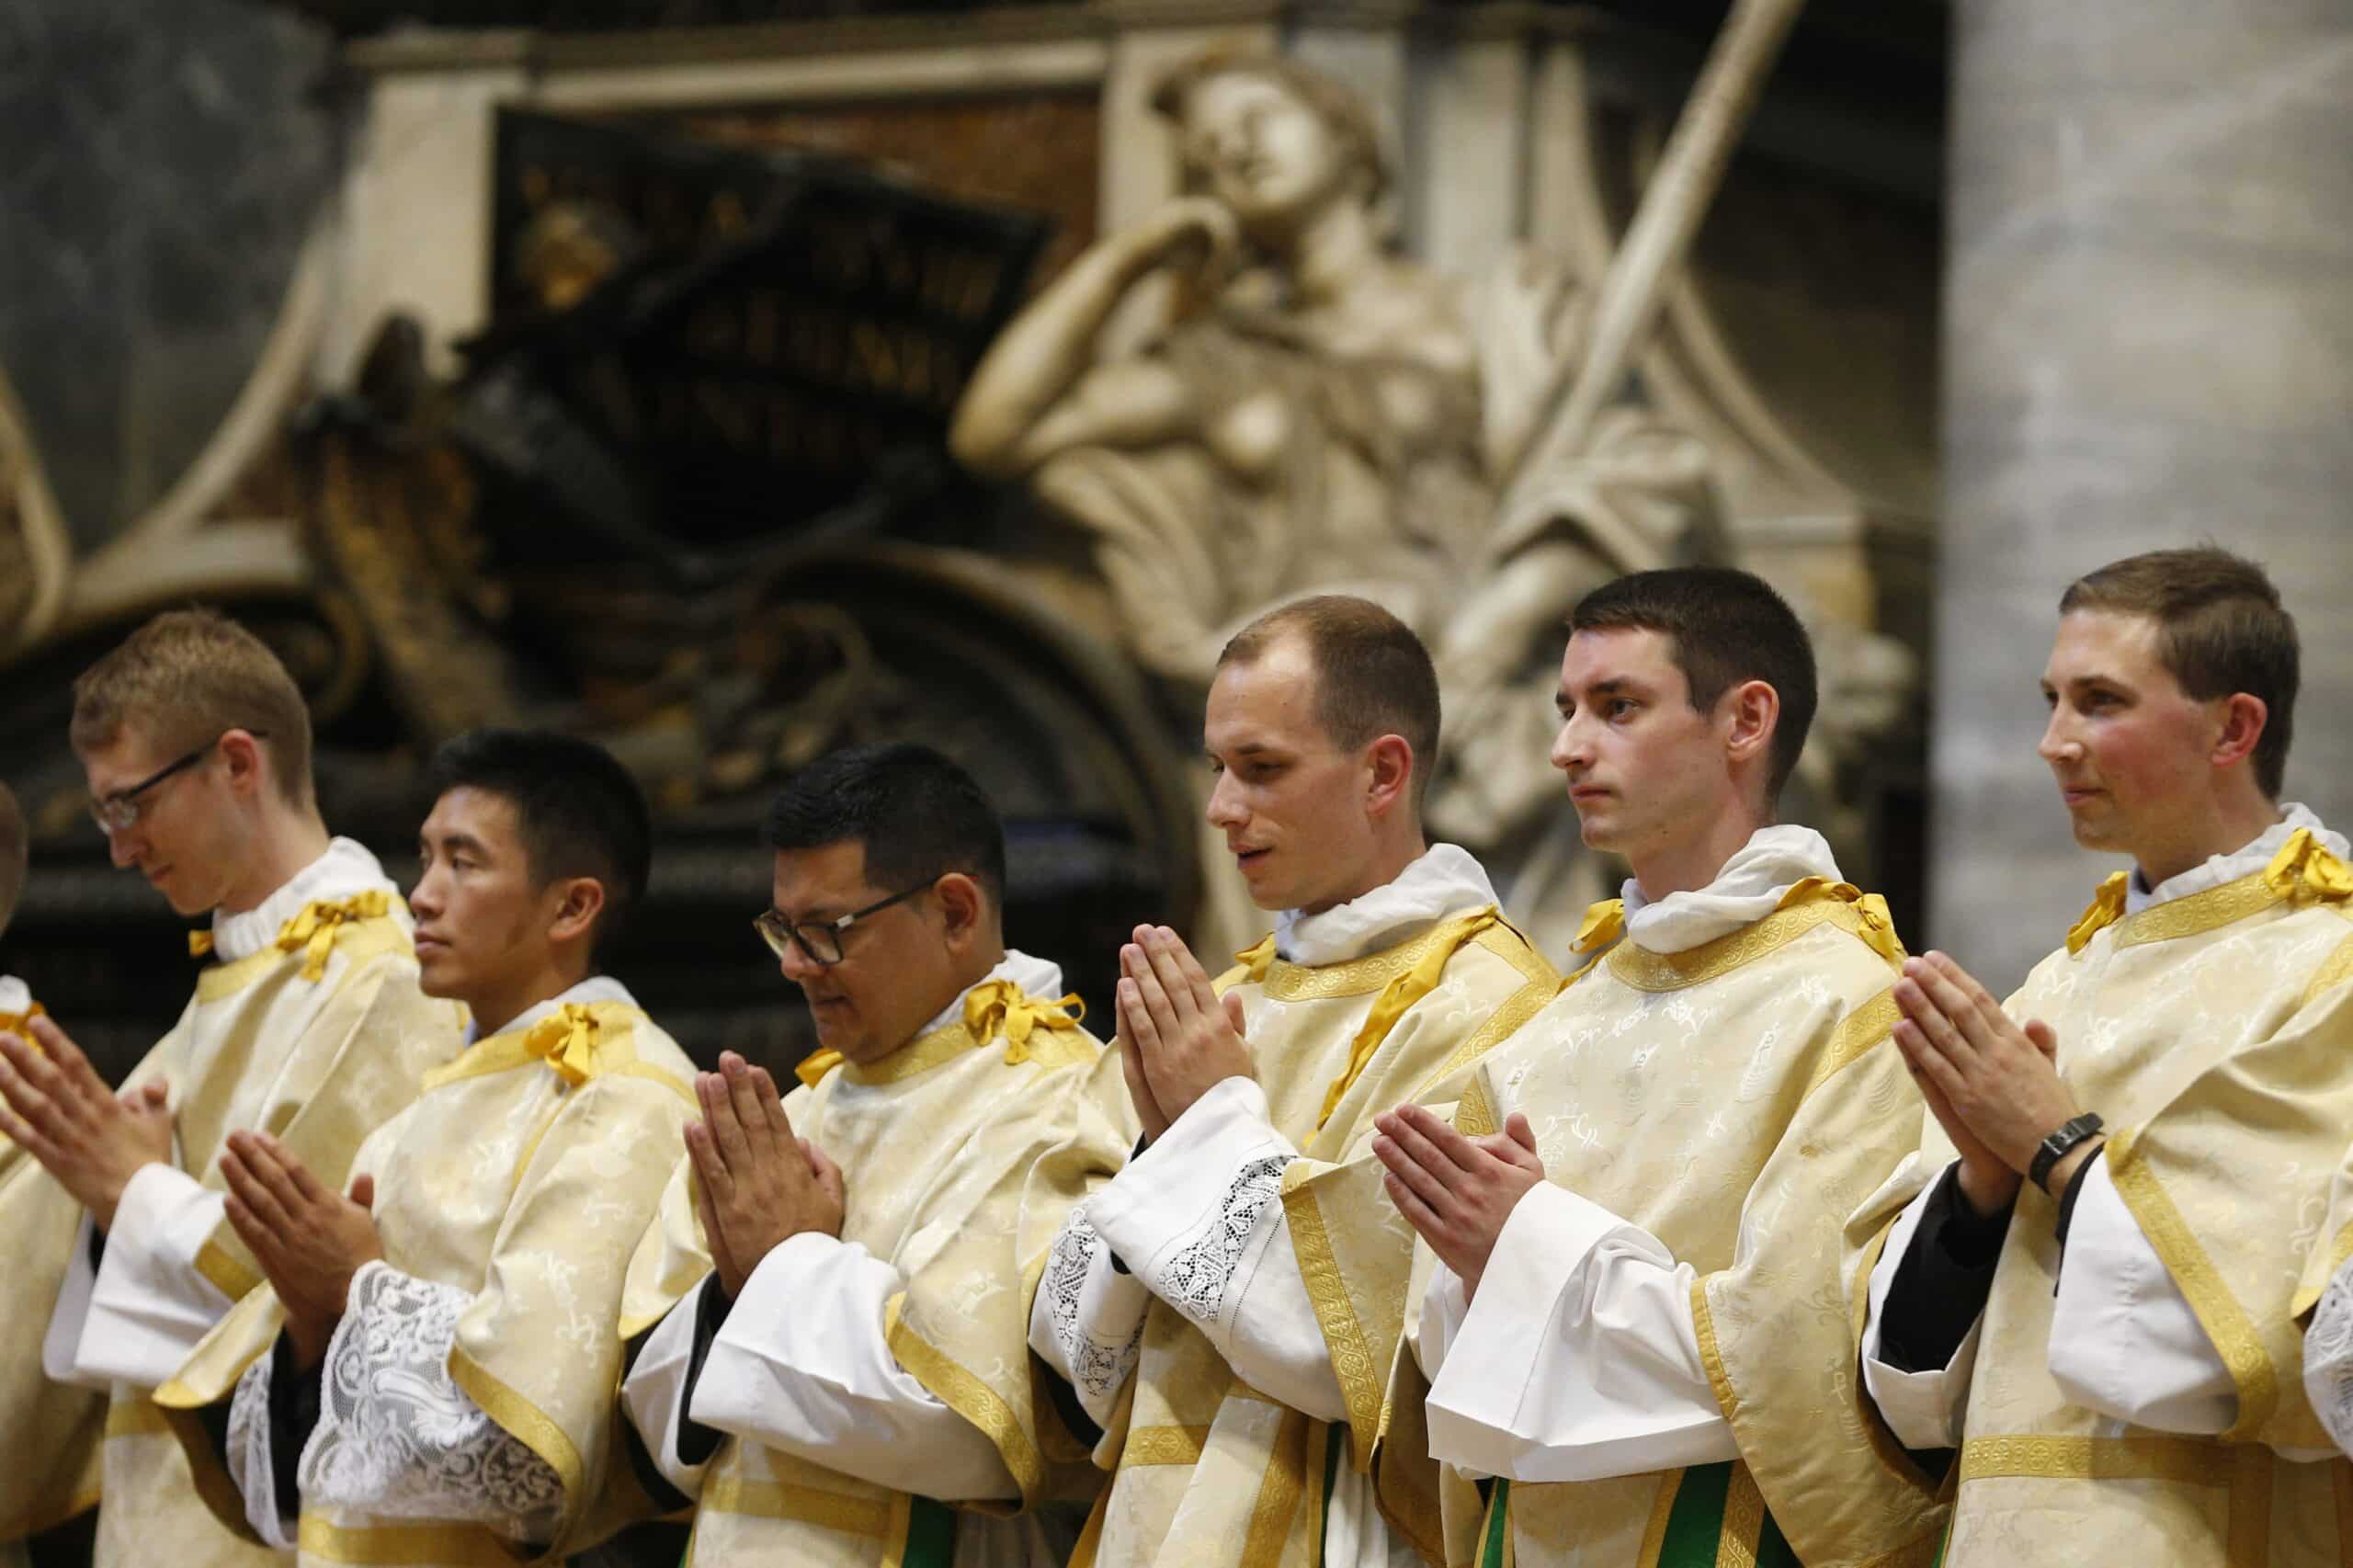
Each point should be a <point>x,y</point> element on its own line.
<point>309,1025</point>
<point>2087,1280</point>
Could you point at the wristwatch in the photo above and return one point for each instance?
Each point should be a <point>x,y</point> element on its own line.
<point>2057,1147</point>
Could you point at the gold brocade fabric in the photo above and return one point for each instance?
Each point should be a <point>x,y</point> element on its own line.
<point>2214,1033</point>
<point>961,1155</point>
<point>1738,1114</point>
<point>317,1062</point>
<point>1208,1473</point>
<point>530,1191</point>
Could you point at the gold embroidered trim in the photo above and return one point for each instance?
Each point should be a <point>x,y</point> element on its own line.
<point>2197,914</point>
<point>1662,1510</point>
<point>360,941</point>
<point>525,1422</point>
<point>1165,1444</point>
<point>1857,1033</point>
<point>1646,970</point>
<point>224,1272</point>
<point>2226,1324</point>
<point>404,1546</point>
<point>1543,985</point>
<point>1278,1495</point>
<point>652,1074</point>
<point>1359,1377</point>
<point>1889,1452</point>
<point>1710,1355</point>
<point>1474,1117</point>
<point>802,1505</point>
<point>616,1049</point>
<point>2331,974</point>
<point>965,1394</point>
<point>919,1055</point>
<point>2183,1461</point>
<point>1744,1520</point>
<point>1287,981</point>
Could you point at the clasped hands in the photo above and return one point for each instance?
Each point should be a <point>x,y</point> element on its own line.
<point>756,1185</point>
<point>1994,1086</point>
<point>61,1112</point>
<point>1176,1038</point>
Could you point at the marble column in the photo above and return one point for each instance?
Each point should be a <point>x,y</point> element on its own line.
<point>2148,342</point>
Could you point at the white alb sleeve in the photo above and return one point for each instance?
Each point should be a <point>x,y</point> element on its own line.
<point>1922,1409</point>
<point>802,1365</point>
<point>1198,1217</point>
<point>654,1394</point>
<point>1086,1322</point>
<point>151,1306</point>
<point>397,1437</point>
<point>1578,1359</point>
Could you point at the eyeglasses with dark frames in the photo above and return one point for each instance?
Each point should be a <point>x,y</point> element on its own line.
<point>118,810</point>
<point>820,941</point>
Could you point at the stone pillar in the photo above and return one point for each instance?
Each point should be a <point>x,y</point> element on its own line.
<point>2148,342</point>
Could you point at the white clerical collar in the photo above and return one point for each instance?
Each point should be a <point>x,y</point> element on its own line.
<point>1747,888</point>
<point>16,996</point>
<point>2219,869</point>
<point>1444,881</point>
<point>346,869</point>
<point>1035,976</point>
<point>596,988</point>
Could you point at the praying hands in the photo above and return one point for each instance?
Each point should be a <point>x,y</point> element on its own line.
<point>1456,1190</point>
<point>1177,1038</point>
<point>1994,1086</point>
<point>756,1185</point>
<point>309,1239</point>
<point>61,1112</point>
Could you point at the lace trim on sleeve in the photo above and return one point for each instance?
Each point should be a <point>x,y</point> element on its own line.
<point>398,1438</point>
<point>1195,1281</point>
<point>1098,1366</point>
<point>2328,1359</point>
<point>248,1457</point>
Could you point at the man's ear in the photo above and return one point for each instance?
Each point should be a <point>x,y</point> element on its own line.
<point>2244,718</point>
<point>580,900</point>
<point>1392,762</point>
<point>963,906</point>
<point>1754,710</point>
<point>248,765</point>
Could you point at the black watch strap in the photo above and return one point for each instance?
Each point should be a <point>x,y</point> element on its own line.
<point>2059,1145</point>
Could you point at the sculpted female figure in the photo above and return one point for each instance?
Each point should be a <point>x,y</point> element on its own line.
<point>1324,416</point>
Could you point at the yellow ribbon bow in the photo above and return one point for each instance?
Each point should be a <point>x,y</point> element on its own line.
<point>1257,959</point>
<point>313,932</point>
<point>566,1041</point>
<point>2106,909</point>
<point>1604,923</point>
<point>1875,926</point>
<point>2305,873</point>
<point>14,1023</point>
<point>198,943</point>
<point>1000,1004</point>
<point>816,1065</point>
<point>1398,995</point>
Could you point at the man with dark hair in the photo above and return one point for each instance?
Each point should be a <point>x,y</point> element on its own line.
<point>310,1025</point>
<point>1632,1308</point>
<point>850,1384</point>
<point>2087,1279</point>
<point>1227,1306</point>
<point>429,1377</point>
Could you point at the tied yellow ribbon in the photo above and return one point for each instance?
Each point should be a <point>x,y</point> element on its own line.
<point>313,932</point>
<point>1000,1004</point>
<point>816,1065</point>
<point>1397,996</point>
<point>1257,959</point>
<point>2305,873</point>
<point>1874,924</point>
<point>566,1041</point>
<point>1604,923</point>
<point>14,1023</point>
<point>198,943</point>
<point>2106,909</point>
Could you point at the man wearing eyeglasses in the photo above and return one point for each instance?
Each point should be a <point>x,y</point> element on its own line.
<point>851,1385</point>
<point>309,1024</point>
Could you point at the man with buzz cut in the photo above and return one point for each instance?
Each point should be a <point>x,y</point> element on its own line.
<point>429,1378</point>
<point>309,1025</point>
<point>1227,1306</point>
<point>850,1386</point>
<point>1633,1317</point>
<point>2087,1280</point>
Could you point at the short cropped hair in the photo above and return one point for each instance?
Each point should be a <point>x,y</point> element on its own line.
<point>577,811</point>
<point>1373,677</point>
<point>187,677</point>
<point>2221,630</point>
<point>16,847</point>
<point>918,814</point>
<point>1723,627</point>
